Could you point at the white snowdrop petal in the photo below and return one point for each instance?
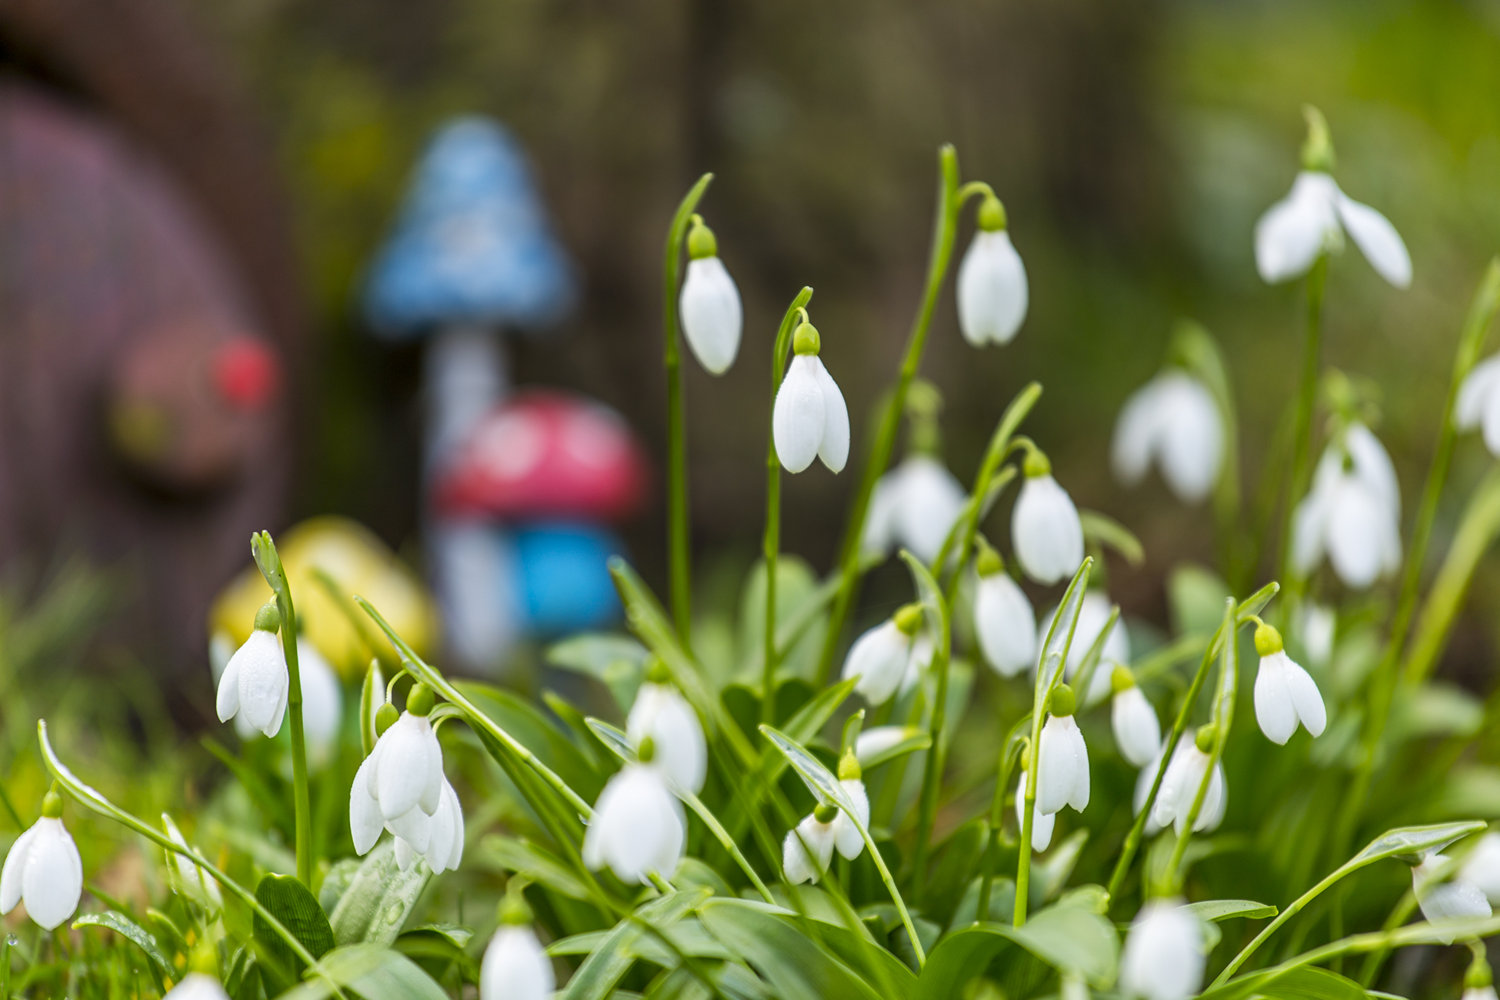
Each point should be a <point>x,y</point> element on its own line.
<point>515,967</point>
<point>877,660</point>
<point>1294,231</point>
<point>1046,532</point>
<point>1377,239</point>
<point>227,699</point>
<point>1192,444</point>
<point>1163,957</point>
<point>1078,791</point>
<point>1309,523</point>
<point>52,879</point>
<point>365,821</point>
<point>197,986</point>
<point>807,850</point>
<point>879,534</point>
<point>263,680</point>
<point>796,862</point>
<point>1274,710</point>
<point>1215,801</point>
<point>406,856</point>
<point>415,827</point>
<point>992,289</point>
<point>1062,776</point>
<point>1491,423</point>
<point>712,316</point>
<point>455,811</point>
<point>1481,868</point>
<point>929,503</point>
<point>15,864</point>
<point>1042,824</point>
<point>1445,901</point>
<point>1373,466</point>
<point>401,774</point>
<point>1005,624</point>
<point>797,417</point>
<point>322,703</point>
<point>1357,526</point>
<point>1306,698</point>
<point>847,838</point>
<point>663,714</point>
<point>1474,395</point>
<point>833,449</point>
<point>1136,727</point>
<point>1135,434</point>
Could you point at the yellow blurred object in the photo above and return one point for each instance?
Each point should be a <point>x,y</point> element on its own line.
<point>358,563</point>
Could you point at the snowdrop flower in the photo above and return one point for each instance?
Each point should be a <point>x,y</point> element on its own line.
<point>913,506</point>
<point>1478,404</point>
<point>1352,513</point>
<point>1482,867</point>
<point>1042,824</point>
<point>880,658</point>
<point>638,826</point>
<point>1480,993</point>
<point>661,714</point>
<point>437,839</point>
<point>710,303</point>
<point>197,986</point>
<point>808,849</point>
<point>1003,618</point>
<point>1094,612</point>
<point>809,419</point>
<point>1441,901</point>
<point>1285,694</point>
<point>846,836</point>
<point>1312,220</point>
<point>43,870</point>
<point>254,683</point>
<point>1044,526</point>
<point>402,774</point>
<point>1175,420</point>
<point>1164,955</point>
<point>1137,730</point>
<point>992,292</point>
<point>1179,786</point>
<point>514,966</point>
<point>1062,770</point>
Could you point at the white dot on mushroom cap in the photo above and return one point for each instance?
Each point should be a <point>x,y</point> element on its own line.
<point>510,447</point>
<point>593,437</point>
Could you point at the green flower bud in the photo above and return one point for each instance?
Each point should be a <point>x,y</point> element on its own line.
<point>514,911</point>
<point>1036,464</point>
<point>908,618</point>
<point>1204,738</point>
<point>420,700</point>
<point>1121,679</point>
<point>656,670</point>
<point>385,717</point>
<point>646,751</point>
<point>701,241</point>
<point>991,214</point>
<point>1317,151</point>
<point>52,805</point>
<point>806,340</point>
<point>268,618</point>
<point>849,769</point>
<point>1267,640</point>
<point>825,812</point>
<point>988,562</point>
<point>1062,702</point>
<point>1479,975</point>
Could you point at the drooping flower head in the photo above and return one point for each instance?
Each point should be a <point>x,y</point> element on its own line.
<point>1183,778</point>
<point>1136,727</point>
<point>913,506</point>
<point>1174,420</point>
<point>992,290</point>
<point>1478,403</point>
<point>515,967</point>
<point>1352,513</point>
<point>1003,618</point>
<point>1062,775</point>
<point>43,870</point>
<point>400,787</point>
<point>1285,694</point>
<point>1045,529</point>
<point>807,849</point>
<point>1094,617</point>
<point>1165,954</point>
<point>880,659</point>
<point>663,715</point>
<point>712,317</point>
<point>255,682</point>
<point>1313,218</point>
<point>810,419</point>
<point>1442,899</point>
<point>638,828</point>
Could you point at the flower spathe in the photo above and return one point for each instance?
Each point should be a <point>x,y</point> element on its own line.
<point>1478,403</point>
<point>1062,770</point>
<point>1004,622</point>
<point>809,419</point>
<point>1045,529</point>
<point>43,870</point>
<point>880,658</point>
<point>1136,727</point>
<point>1352,513</point>
<point>1285,694</point>
<point>1446,900</point>
<point>663,715</point>
<point>637,828</point>
<point>515,967</point>
<point>913,506</point>
<point>1179,789</point>
<point>1174,420</point>
<point>197,986</point>
<point>992,288</point>
<point>1042,824</point>
<point>712,316</point>
<point>1164,955</point>
<point>255,682</point>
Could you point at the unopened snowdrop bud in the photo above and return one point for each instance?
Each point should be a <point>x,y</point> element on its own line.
<point>846,836</point>
<point>712,317</point>
<point>1136,728</point>
<point>879,659</point>
<point>514,966</point>
<point>1312,220</point>
<point>43,870</point>
<point>1003,618</point>
<point>1285,694</point>
<point>638,827</point>
<point>255,682</point>
<point>1443,900</point>
<point>1478,403</point>
<point>992,289</point>
<point>661,713</point>
<point>1175,420</point>
<point>1180,784</point>
<point>1164,953</point>
<point>1482,867</point>
<point>807,850</point>
<point>809,419</point>
<point>197,986</point>
<point>1062,775</point>
<point>1045,528</point>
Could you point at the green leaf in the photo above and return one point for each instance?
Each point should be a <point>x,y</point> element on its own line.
<point>617,661</point>
<point>290,902</point>
<point>602,971</point>
<point>517,854</point>
<point>1068,937</point>
<point>161,965</point>
<point>1107,532</point>
<point>1413,842</point>
<point>445,942</point>
<point>537,733</point>
<point>1195,600</point>
<point>379,899</point>
<point>373,972</point>
<point>784,955</point>
<point>1296,984</point>
<point>1435,710</point>
<point>337,881</point>
<point>1214,910</point>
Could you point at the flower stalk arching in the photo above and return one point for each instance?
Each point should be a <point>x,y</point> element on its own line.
<point>679,556</point>
<point>945,228</point>
<point>269,562</point>
<point>771,542</point>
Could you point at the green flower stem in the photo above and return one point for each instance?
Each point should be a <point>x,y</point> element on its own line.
<point>269,562</point>
<point>936,611</point>
<point>771,543</point>
<point>677,500</point>
<point>1302,429</point>
<point>1223,719</point>
<point>91,799</point>
<point>944,232</point>
<point>1477,530</point>
<point>1048,675</point>
<point>1250,606</point>
<point>1385,679</point>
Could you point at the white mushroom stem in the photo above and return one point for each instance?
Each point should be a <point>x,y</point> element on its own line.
<point>466,375</point>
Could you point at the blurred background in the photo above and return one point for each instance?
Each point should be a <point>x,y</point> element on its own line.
<point>193,196</point>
